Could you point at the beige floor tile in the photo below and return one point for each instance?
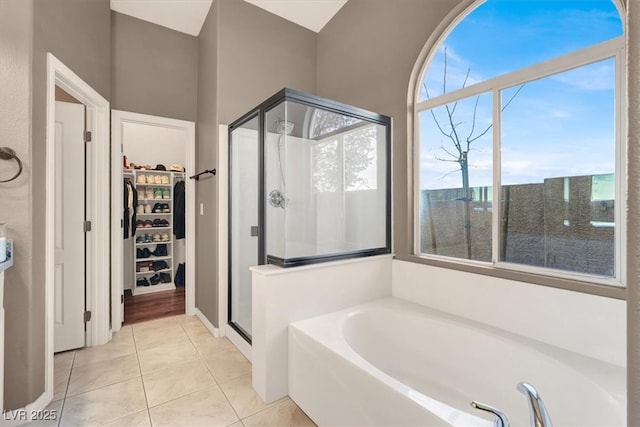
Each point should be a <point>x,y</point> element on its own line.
<point>243,398</point>
<point>63,361</point>
<point>139,419</point>
<point>154,337</point>
<point>121,345</point>
<point>207,407</point>
<point>228,365</point>
<point>154,324</point>
<point>195,329</point>
<point>238,424</point>
<point>100,374</point>
<point>177,381</point>
<point>184,319</point>
<point>166,355</point>
<point>49,417</point>
<point>104,405</point>
<point>209,346</point>
<point>60,382</point>
<point>283,414</point>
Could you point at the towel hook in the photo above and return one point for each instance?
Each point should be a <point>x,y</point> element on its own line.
<point>7,153</point>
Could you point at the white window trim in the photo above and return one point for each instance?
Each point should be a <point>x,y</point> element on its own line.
<point>614,48</point>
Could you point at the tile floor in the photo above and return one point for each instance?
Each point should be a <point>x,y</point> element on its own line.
<point>166,372</point>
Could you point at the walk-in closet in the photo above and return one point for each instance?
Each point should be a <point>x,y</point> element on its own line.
<point>154,237</point>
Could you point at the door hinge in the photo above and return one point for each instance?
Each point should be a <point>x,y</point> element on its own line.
<point>87,136</point>
<point>121,299</point>
<point>122,223</point>
<point>87,226</point>
<point>87,316</point>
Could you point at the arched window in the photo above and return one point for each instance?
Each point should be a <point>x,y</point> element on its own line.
<point>518,140</point>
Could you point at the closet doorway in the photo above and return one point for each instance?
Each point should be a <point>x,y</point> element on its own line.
<point>153,217</point>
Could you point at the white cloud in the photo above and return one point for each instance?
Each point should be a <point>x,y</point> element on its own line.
<point>599,76</point>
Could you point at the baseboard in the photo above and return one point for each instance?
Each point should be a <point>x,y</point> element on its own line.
<point>207,324</point>
<point>239,342</point>
<point>30,412</point>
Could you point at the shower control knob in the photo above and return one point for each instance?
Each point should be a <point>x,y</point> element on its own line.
<point>276,199</point>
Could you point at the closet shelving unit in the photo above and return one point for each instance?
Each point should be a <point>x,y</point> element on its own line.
<point>141,187</point>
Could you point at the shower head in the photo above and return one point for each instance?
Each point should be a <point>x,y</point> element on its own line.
<point>284,127</point>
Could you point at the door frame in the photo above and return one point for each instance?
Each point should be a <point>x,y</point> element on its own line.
<point>97,208</point>
<point>118,118</point>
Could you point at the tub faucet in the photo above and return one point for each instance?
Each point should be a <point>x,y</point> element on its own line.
<point>501,419</point>
<point>537,410</point>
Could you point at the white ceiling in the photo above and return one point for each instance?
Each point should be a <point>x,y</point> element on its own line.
<point>188,16</point>
<point>311,14</point>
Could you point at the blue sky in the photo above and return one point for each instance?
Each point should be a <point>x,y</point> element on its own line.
<point>561,125</point>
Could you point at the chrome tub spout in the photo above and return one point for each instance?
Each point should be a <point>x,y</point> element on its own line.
<point>537,410</point>
<point>500,420</point>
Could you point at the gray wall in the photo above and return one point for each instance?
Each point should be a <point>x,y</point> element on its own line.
<point>78,33</point>
<point>21,362</point>
<point>633,215</point>
<point>207,158</point>
<point>154,70</point>
<point>365,57</point>
<point>258,53</point>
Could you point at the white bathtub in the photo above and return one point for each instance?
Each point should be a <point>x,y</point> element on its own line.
<point>391,362</point>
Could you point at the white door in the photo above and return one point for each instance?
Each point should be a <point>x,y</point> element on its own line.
<point>69,291</point>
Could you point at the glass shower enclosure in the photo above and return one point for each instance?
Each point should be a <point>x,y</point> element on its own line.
<point>309,182</point>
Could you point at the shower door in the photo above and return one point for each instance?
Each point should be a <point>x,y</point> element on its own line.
<point>244,214</point>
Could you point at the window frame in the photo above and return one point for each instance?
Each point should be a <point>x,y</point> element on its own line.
<point>613,48</point>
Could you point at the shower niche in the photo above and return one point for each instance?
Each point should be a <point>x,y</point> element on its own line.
<point>309,182</point>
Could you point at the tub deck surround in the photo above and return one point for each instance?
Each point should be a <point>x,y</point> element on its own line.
<point>393,362</point>
<point>587,324</point>
<point>281,296</point>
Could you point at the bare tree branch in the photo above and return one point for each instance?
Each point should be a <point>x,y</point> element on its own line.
<point>450,153</point>
<point>473,122</point>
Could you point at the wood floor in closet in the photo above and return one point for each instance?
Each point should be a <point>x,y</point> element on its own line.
<point>140,308</point>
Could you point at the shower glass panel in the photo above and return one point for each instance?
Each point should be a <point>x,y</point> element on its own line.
<point>244,180</point>
<point>326,185</point>
<point>309,182</point>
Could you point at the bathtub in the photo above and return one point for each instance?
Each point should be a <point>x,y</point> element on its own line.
<point>391,362</point>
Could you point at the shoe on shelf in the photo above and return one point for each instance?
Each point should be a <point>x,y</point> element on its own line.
<point>165,193</point>
<point>166,208</point>
<point>142,253</point>
<point>156,237</point>
<point>144,267</point>
<point>155,279</point>
<point>165,179</point>
<point>165,277</point>
<point>148,193</point>
<point>140,238</point>
<point>148,238</point>
<point>164,237</point>
<point>158,179</point>
<point>157,208</point>
<point>159,265</point>
<point>157,193</point>
<point>142,282</point>
<point>164,222</point>
<point>141,179</point>
<point>160,250</point>
<point>147,209</point>
<point>140,209</point>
